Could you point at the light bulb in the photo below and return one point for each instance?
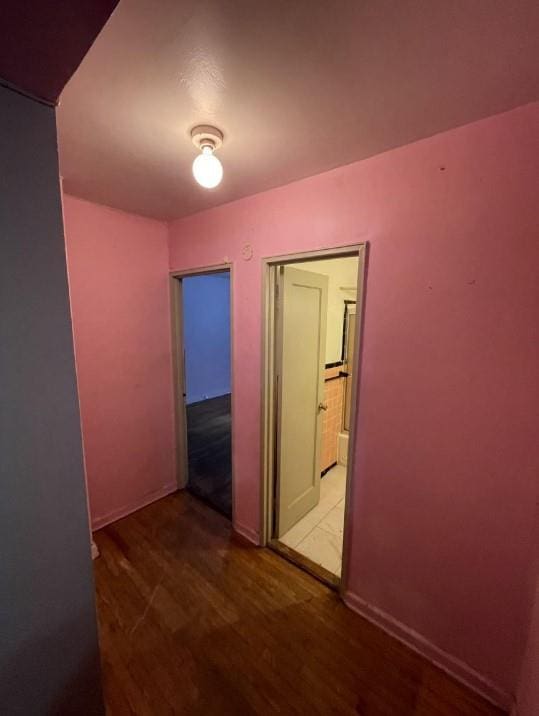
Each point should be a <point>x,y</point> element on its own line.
<point>207,169</point>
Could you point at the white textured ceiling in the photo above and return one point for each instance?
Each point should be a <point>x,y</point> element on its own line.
<point>297,87</point>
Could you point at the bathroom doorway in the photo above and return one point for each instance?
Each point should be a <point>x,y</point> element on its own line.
<point>313,305</point>
<point>202,338</point>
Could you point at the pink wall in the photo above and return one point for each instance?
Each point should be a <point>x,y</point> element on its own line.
<point>117,265</point>
<point>444,487</point>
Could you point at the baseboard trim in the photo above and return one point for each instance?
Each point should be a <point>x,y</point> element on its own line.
<point>247,533</point>
<point>95,550</point>
<point>456,668</point>
<point>115,515</point>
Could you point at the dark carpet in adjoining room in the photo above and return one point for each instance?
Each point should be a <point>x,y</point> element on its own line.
<point>209,442</point>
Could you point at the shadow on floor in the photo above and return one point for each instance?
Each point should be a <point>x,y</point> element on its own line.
<point>209,452</point>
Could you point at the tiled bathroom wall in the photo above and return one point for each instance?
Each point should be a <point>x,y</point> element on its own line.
<point>334,388</point>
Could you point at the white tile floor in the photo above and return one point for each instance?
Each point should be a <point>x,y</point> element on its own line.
<point>319,534</point>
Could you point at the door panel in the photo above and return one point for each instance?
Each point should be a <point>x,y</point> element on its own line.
<point>302,312</point>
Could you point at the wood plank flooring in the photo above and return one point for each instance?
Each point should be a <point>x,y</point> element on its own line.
<point>209,449</point>
<point>194,621</point>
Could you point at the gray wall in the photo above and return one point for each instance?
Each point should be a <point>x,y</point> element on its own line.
<point>49,660</point>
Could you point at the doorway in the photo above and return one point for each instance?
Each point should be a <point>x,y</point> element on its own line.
<point>313,307</point>
<point>201,318</point>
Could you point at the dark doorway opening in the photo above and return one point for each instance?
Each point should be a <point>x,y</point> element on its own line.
<point>206,343</point>
<point>209,452</point>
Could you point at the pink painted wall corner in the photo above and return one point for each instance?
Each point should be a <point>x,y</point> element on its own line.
<point>118,278</point>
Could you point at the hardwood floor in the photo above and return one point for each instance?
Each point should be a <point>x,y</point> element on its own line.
<point>209,445</point>
<point>194,621</point>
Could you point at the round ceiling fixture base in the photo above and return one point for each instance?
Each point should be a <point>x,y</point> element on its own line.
<point>204,135</point>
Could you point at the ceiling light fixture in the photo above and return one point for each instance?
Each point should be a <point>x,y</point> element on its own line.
<point>207,169</point>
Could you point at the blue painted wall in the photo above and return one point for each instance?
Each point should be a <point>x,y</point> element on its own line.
<point>206,332</point>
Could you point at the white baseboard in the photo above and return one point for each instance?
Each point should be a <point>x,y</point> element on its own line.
<point>248,533</point>
<point>95,550</point>
<point>450,664</point>
<point>131,507</point>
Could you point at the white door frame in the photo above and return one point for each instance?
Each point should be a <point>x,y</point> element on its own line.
<point>269,397</point>
<point>178,366</point>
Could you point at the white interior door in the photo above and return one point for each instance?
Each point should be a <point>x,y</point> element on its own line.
<point>301,348</point>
